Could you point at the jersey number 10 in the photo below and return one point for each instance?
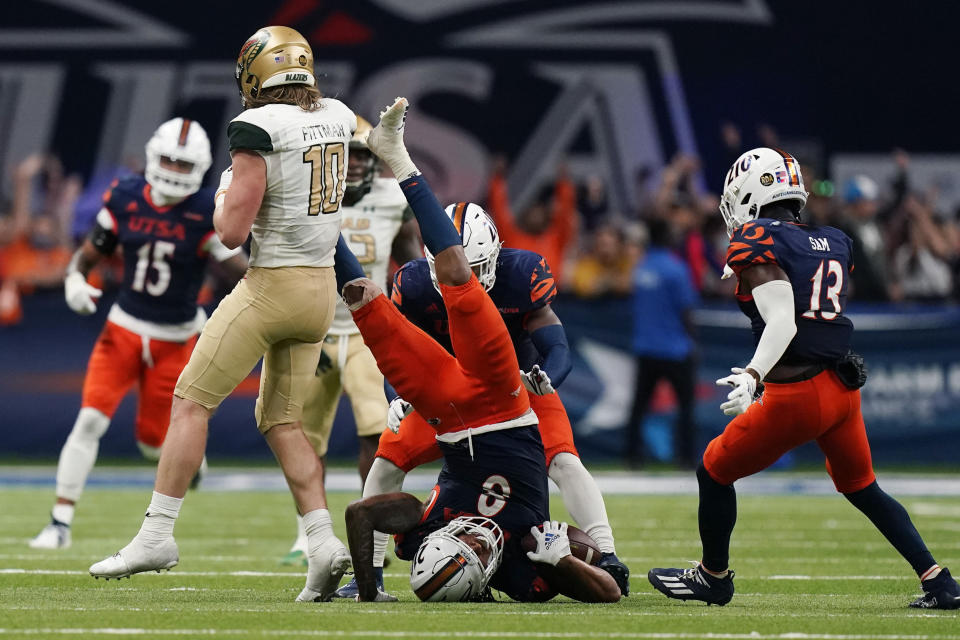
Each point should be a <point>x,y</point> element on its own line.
<point>834,270</point>
<point>328,164</point>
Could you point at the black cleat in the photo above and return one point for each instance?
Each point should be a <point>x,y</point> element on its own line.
<point>941,592</point>
<point>610,563</point>
<point>692,584</point>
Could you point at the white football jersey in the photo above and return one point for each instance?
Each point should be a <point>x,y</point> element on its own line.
<point>306,155</point>
<point>369,227</point>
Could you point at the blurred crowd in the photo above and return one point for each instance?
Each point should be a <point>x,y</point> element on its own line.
<point>905,248</point>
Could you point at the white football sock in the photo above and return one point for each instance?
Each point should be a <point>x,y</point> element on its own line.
<point>384,477</point>
<point>300,544</point>
<point>582,498</point>
<point>63,513</point>
<point>79,453</point>
<point>318,527</point>
<point>159,520</point>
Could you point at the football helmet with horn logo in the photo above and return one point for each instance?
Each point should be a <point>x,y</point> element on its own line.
<point>271,57</point>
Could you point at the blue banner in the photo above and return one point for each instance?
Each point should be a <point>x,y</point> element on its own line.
<point>911,402</point>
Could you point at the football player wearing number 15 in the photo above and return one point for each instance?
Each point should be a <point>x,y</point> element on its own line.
<point>289,152</point>
<point>792,284</point>
<point>163,222</point>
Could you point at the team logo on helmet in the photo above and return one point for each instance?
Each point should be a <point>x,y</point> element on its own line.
<point>251,49</point>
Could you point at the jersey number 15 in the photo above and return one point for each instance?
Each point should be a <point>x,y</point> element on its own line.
<point>834,271</point>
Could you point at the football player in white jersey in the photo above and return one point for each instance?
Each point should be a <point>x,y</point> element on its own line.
<point>377,224</point>
<point>289,152</point>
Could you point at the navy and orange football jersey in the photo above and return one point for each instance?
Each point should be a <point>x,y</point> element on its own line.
<point>524,283</point>
<point>164,252</point>
<point>817,261</point>
<point>502,477</point>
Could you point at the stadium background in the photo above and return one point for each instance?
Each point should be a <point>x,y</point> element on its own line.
<point>609,90</point>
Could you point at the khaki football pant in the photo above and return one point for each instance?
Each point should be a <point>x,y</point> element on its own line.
<point>280,315</point>
<point>352,369</point>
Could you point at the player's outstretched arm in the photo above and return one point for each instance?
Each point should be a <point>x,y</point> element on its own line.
<point>439,234</point>
<point>547,334</point>
<point>566,573</point>
<point>81,296</point>
<point>773,295</point>
<point>389,513</point>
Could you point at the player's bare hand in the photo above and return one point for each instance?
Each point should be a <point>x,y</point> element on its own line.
<point>81,297</point>
<point>537,381</point>
<point>742,396</point>
<point>396,412</point>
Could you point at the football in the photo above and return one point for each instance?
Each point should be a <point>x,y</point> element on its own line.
<point>582,546</point>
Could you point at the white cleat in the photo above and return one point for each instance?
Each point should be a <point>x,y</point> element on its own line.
<point>137,558</point>
<point>53,536</point>
<point>327,566</point>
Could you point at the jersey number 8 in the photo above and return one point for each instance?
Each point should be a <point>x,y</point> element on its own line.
<point>328,164</point>
<point>834,269</point>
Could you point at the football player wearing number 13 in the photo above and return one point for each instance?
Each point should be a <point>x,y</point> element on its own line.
<point>289,152</point>
<point>163,222</point>
<point>480,413</point>
<point>792,284</point>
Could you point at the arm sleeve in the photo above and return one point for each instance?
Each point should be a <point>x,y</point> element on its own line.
<point>551,344</point>
<point>774,301</point>
<point>751,244</point>
<point>103,236</point>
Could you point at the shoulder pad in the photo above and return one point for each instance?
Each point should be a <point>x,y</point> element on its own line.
<point>751,244</point>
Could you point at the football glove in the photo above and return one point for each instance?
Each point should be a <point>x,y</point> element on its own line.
<point>81,296</point>
<point>553,545</point>
<point>743,394</point>
<point>537,381</point>
<point>396,412</point>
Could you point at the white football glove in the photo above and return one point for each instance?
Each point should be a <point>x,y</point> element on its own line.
<point>81,296</point>
<point>396,412</point>
<point>744,389</point>
<point>552,543</point>
<point>537,381</point>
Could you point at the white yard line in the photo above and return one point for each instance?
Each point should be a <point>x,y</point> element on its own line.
<point>610,482</point>
<point>379,633</point>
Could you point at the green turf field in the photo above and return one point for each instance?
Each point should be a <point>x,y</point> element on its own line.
<point>807,567</point>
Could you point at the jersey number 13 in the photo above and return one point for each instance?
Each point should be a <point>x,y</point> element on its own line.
<point>829,273</point>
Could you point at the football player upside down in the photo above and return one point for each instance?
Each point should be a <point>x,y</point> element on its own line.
<point>493,487</point>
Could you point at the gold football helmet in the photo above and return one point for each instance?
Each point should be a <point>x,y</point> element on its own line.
<point>271,57</point>
<point>362,165</point>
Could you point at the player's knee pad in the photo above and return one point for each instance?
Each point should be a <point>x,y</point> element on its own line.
<point>148,452</point>
<point>384,477</point>
<point>90,426</point>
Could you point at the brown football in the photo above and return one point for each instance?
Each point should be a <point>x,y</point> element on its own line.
<point>581,545</point>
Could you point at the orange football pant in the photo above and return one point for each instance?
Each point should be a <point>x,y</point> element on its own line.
<point>416,443</point>
<point>480,386</point>
<point>820,409</point>
<point>119,360</point>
